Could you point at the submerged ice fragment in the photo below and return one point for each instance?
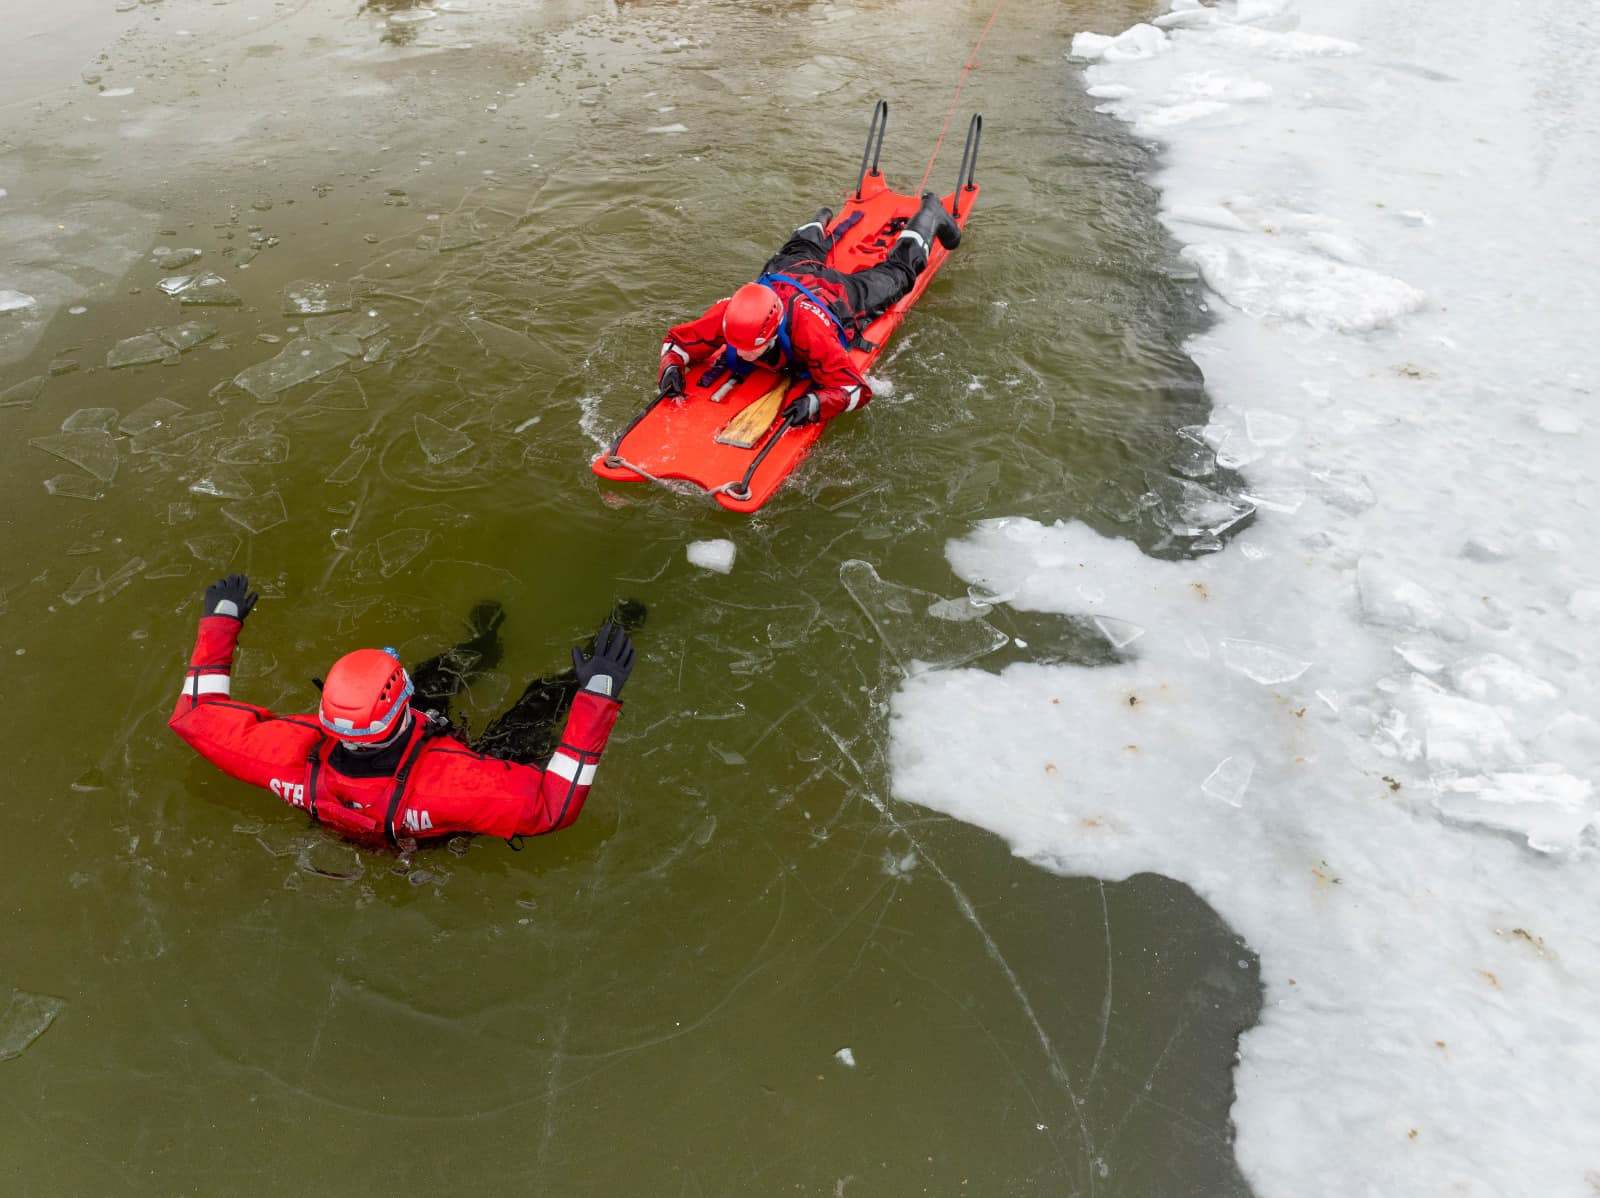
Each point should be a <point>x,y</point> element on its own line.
<point>917,640</point>
<point>1260,662</point>
<point>24,1019</point>
<point>439,442</point>
<point>73,486</point>
<point>398,549</point>
<point>258,514</point>
<point>301,360</point>
<point>153,414</point>
<point>209,290</point>
<point>94,450</point>
<point>347,470</point>
<point>1187,509</point>
<point>184,337</point>
<point>311,297</point>
<point>83,419</point>
<point>138,351</point>
<point>266,450</point>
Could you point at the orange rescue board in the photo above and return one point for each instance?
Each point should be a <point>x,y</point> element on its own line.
<point>678,439</point>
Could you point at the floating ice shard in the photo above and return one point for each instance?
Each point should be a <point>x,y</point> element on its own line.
<point>313,297</point>
<point>184,337</point>
<point>177,259</point>
<point>673,128</point>
<point>1187,509</point>
<point>150,415</point>
<point>138,351</point>
<point>1260,662</point>
<point>398,549</point>
<point>439,442</point>
<point>94,450</point>
<point>104,419</point>
<point>212,290</point>
<point>21,393</point>
<point>1121,633</point>
<point>24,1020</point>
<point>347,470</point>
<point>125,574</point>
<point>222,482</point>
<point>173,284</point>
<point>301,360</point>
<point>266,450</point>
<point>1549,807</point>
<point>917,640</point>
<point>962,607</point>
<point>215,551</point>
<point>73,486</point>
<point>85,584</point>
<point>1231,779</point>
<point>15,301</point>
<point>258,514</point>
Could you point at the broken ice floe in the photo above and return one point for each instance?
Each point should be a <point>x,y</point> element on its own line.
<point>259,513</point>
<point>93,450</point>
<point>311,297</point>
<point>15,301</point>
<point>24,1019</point>
<point>300,361</point>
<point>917,640</point>
<point>440,443</point>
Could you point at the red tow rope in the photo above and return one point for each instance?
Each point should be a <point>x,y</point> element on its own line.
<point>966,69</point>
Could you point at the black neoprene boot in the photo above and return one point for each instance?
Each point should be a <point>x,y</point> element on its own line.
<point>821,220</point>
<point>932,221</point>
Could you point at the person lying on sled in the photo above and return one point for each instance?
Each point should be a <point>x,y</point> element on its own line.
<point>379,761</point>
<point>801,315</point>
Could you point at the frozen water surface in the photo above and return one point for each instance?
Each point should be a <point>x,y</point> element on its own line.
<point>259,513</point>
<point>440,443</point>
<point>918,640</point>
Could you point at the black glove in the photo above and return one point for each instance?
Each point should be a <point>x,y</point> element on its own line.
<point>610,664</point>
<point>805,410</point>
<point>671,377</point>
<point>228,597</point>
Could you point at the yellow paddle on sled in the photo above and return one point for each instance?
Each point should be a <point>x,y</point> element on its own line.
<point>748,427</point>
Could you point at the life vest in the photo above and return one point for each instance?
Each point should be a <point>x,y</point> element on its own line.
<point>739,368</point>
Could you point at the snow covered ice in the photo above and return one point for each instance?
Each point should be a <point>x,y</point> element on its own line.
<point>716,555</point>
<point>1365,728</point>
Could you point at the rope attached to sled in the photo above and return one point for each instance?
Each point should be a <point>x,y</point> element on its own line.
<point>961,81</point>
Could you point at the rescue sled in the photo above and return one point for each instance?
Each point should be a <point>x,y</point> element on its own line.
<point>686,440</point>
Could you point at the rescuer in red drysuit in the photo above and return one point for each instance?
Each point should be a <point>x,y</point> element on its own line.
<point>801,315</point>
<point>376,766</point>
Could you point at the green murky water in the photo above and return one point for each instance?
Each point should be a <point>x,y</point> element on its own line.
<point>653,1001</point>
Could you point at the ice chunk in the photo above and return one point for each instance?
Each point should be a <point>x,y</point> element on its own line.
<point>222,482</point>
<point>215,551</point>
<point>184,337</point>
<point>138,351</point>
<point>963,607</point>
<point>917,640</point>
<point>1548,806</point>
<point>87,583</point>
<point>397,549</point>
<point>15,301</point>
<point>173,284</point>
<point>258,514</point>
<point>347,470</point>
<point>1261,662</point>
<point>1283,285</point>
<point>25,1018</point>
<point>1136,42</point>
<point>94,450</point>
<point>846,1058</point>
<point>88,419</point>
<point>210,290</point>
<point>1188,509</point>
<point>126,573</point>
<point>439,442</point>
<point>713,555</point>
<point>1491,678</point>
<point>1393,601</point>
<point>674,128</point>
<point>1231,779</point>
<point>154,414</point>
<point>177,259</point>
<point>73,486</point>
<point>1461,735</point>
<point>1121,633</point>
<point>266,450</point>
<point>300,361</point>
<point>308,297</point>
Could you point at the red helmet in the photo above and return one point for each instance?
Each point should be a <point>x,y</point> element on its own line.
<point>752,317</point>
<point>364,696</point>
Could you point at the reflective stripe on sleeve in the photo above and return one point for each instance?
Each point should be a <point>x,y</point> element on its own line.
<point>563,765</point>
<point>668,347</point>
<point>855,398</point>
<point>207,684</point>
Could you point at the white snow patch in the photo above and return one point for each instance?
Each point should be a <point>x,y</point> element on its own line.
<point>714,555</point>
<point>1363,731</point>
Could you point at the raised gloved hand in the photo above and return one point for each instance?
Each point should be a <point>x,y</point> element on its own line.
<point>670,377</point>
<point>608,667</point>
<point>807,409</point>
<point>230,596</point>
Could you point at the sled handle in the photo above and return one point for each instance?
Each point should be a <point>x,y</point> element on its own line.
<point>741,489</point>
<point>969,160</point>
<point>880,122</point>
<point>611,458</point>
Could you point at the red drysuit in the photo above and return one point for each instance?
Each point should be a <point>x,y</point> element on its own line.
<point>440,786</point>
